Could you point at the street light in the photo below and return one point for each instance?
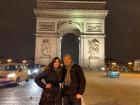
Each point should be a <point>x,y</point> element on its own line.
<point>79,38</point>
<point>24,61</point>
<point>9,60</point>
<point>60,38</point>
<point>130,63</point>
<point>114,64</point>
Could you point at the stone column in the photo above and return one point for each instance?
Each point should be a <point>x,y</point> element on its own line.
<point>47,47</point>
<point>92,51</point>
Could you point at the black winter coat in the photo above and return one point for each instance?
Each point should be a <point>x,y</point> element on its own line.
<point>49,96</point>
<point>78,81</point>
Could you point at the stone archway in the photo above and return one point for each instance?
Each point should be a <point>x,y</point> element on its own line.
<point>70,27</point>
<point>70,40</point>
<point>70,45</point>
<point>54,23</point>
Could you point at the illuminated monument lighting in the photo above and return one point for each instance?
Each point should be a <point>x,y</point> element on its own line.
<point>71,27</point>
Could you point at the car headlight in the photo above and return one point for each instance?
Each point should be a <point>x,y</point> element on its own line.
<point>11,75</point>
<point>103,68</point>
<point>29,72</point>
<point>36,71</point>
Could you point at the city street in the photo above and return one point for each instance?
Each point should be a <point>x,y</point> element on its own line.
<point>99,91</point>
<point>103,36</point>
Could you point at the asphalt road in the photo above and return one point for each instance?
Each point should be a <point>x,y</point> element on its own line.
<point>112,91</point>
<point>99,91</point>
<point>27,93</point>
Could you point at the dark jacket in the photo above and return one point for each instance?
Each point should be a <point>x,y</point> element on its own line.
<point>49,76</point>
<point>49,96</point>
<point>78,80</point>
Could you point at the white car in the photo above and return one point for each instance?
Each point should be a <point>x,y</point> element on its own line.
<point>13,73</point>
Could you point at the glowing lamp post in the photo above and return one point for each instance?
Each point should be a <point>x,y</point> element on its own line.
<point>24,61</point>
<point>9,60</point>
<point>114,64</point>
<point>130,65</point>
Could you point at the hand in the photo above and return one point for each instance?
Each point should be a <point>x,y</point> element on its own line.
<point>48,86</point>
<point>78,96</point>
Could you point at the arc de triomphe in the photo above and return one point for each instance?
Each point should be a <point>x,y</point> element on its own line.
<point>71,27</point>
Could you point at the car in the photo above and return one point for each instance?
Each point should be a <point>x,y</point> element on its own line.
<point>113,74</point>
<point>34,70</point>
<point>13,73</point>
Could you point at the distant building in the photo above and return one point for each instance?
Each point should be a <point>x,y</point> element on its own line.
<point>137,65</point>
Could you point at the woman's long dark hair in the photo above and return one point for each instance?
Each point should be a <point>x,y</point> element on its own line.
<point>52,62</point>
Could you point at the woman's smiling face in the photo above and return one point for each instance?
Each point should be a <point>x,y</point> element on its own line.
<point>56,64</point>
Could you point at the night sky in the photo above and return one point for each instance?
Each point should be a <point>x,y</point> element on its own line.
<point>17,29</point>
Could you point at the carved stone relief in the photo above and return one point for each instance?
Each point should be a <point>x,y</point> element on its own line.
<point>94,27</point>
<point>60,23</point>
<point>46,26</point>
<point>45,48</point>
<point>94,49</point>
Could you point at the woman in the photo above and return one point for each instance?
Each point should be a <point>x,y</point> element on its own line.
<point>49,81</point>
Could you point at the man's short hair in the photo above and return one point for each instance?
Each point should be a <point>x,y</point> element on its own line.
<point>67,55</point>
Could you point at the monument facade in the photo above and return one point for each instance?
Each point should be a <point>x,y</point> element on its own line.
<point>71,27</point>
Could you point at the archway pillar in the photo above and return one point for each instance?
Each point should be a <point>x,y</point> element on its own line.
<point>47,47</point>
<point>85,42</point>
<point>92,51</point>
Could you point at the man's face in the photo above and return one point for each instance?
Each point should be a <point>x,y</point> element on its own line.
<point>67,61</point>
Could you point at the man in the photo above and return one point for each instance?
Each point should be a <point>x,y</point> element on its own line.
<point>74,82</point>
